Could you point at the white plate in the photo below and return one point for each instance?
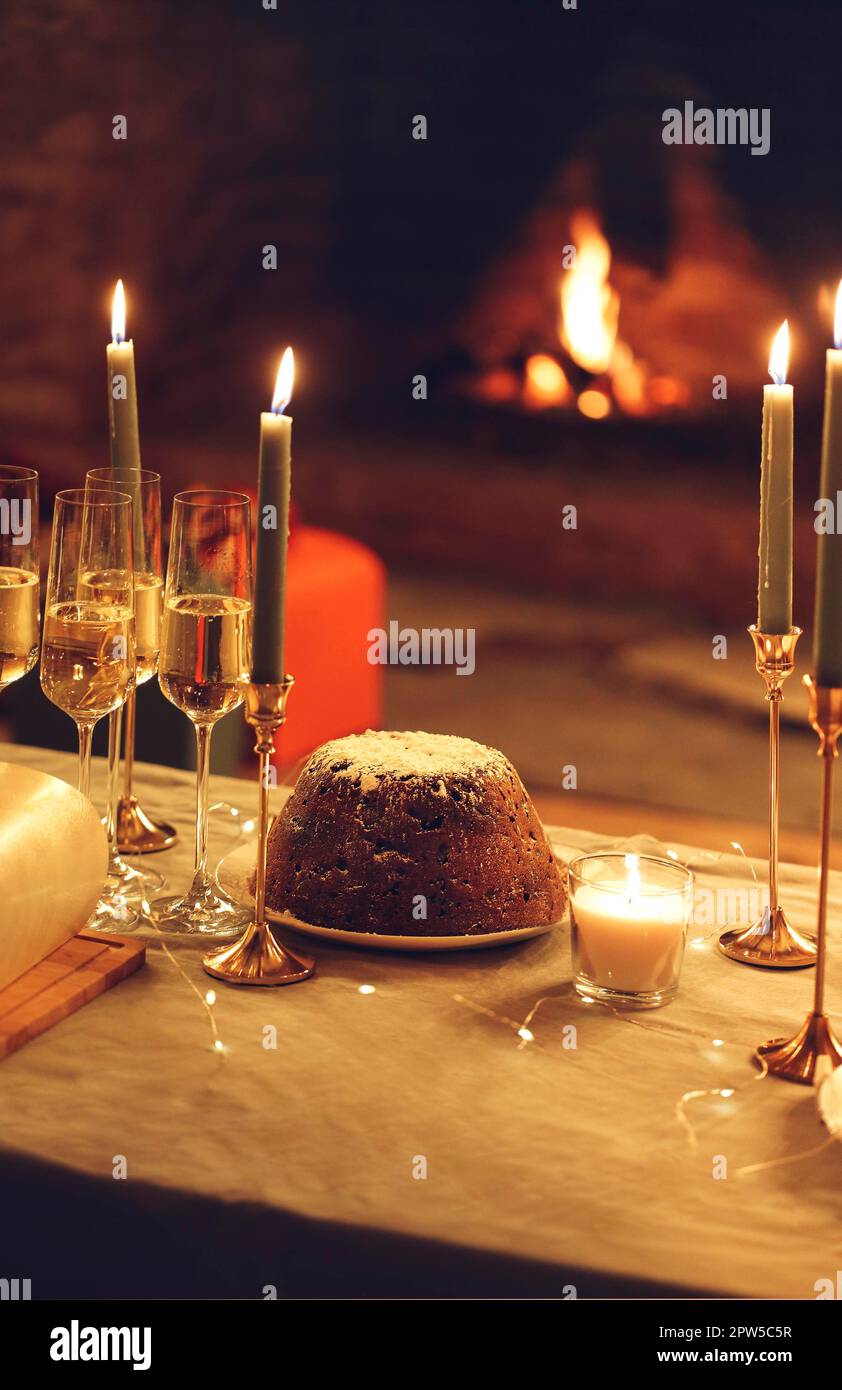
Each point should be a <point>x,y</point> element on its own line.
<point>235,870</point>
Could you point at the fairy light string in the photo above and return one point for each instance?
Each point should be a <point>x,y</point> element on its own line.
<point>526,1036</point>
<point>206,999</point>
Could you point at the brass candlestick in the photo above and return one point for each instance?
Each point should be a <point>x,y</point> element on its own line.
<point>771,942</point>
<point>137,832</point>
<point>258,958</point>
<point>795,1058</point>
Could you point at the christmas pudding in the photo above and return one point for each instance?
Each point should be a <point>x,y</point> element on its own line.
<point>412,834</point>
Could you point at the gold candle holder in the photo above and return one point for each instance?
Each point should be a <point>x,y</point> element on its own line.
<point>258,958</point>
<point>771,942</point>
<point>137,832</point>
<point>795,1058</point>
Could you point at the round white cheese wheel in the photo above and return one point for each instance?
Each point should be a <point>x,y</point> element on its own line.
<point>53,864</point>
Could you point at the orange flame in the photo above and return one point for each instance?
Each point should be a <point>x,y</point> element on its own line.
<point>589,306</point>
<point>595,405</point>
<point>283,383</point>
<point>779,356</point>
<point>546,383</point>
<point>118,313</point>
<point>628,380</point>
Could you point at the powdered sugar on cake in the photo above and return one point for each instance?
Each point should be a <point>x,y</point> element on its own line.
<point>371,756</point>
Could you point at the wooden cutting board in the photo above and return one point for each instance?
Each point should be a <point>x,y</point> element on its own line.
<point>64,981</point>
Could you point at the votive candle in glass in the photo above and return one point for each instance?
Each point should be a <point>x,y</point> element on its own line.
<point>629,915</point>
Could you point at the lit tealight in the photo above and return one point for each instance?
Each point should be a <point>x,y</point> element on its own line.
<point>219,1045</point>
<point>210,997</point>
<point>718,1042</point>
<point>726,1095</point>
<point>366,989</point>
<point>526,1035</point>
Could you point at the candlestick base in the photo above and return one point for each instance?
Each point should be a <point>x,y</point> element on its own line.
<point>769,942</point>
<point>795,1058</point>
<point>258,958</point>
<point>138,833</point>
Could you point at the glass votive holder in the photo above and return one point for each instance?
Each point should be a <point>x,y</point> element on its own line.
<point>628,918</point>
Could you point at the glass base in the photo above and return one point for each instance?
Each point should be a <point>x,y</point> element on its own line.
<point>623,999</point>
<point>137,885</point>
<point>204,910</point>
<point>116,912</point>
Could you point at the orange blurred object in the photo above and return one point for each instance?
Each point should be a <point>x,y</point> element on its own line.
<point>545,382</point>
<point>590,308</point>
<point>594,404</point>
<point>665,390</point>
<point>496,385</point>
<point>336,592</point>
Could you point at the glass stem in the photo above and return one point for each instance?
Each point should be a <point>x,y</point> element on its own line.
<point>115,724</point>
<point>85,739</point>
<point>128,761</point>
<point>203,738</point>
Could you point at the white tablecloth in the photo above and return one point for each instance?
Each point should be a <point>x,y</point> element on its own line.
<point>547,1165</point>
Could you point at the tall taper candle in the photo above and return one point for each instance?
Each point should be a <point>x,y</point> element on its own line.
<point>774,586</point>
<point>827,624</point>
<point>123,432</point>
<point>272,532</point>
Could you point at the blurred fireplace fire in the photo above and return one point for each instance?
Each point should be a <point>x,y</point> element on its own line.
<point>590,367</point>
<point>565,322</point>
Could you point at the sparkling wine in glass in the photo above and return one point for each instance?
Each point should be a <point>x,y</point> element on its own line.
<point>88,646</point>
<point>204,668</point>
<point>130,888</point>
<point>19,575</point>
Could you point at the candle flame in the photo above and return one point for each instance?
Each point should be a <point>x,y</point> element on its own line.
<point>837,318</point>
<point>632,864</point>
<point>779,356</point>
<point>283,383</point>
<point>118,314</point>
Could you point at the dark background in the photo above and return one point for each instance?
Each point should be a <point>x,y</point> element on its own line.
<point>293,127</point>
<point>248,126</point>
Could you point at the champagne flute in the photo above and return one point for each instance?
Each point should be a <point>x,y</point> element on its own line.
<point>88,648</point>
<point>144,488</point>
<point>19,574</point>
<point>204,668</point>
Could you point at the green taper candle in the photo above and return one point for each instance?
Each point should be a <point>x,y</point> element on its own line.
<point>774,585</point>
<point>270,568</point>
<point>827,623</point>
<point>123,432</point>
